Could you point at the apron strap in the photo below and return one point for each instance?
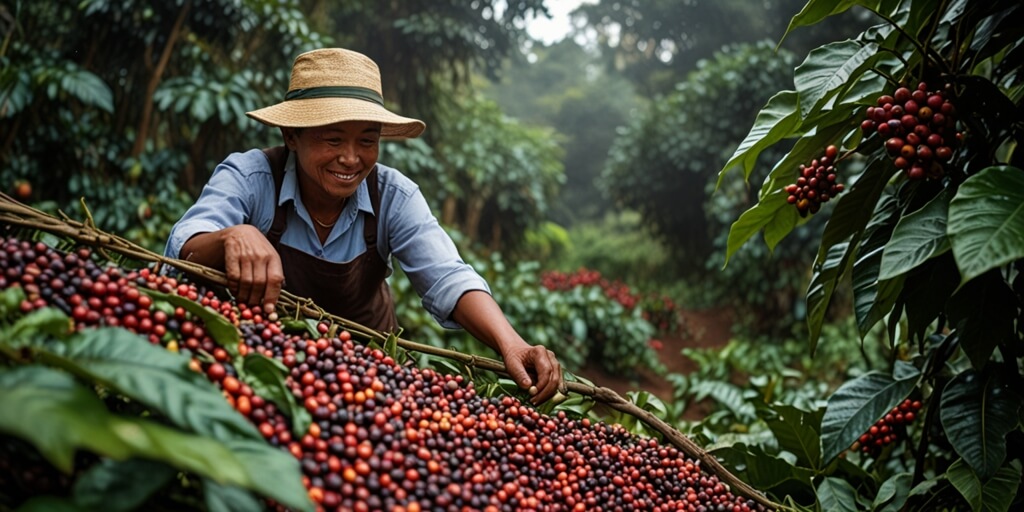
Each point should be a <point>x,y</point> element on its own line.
<point>278,158</point>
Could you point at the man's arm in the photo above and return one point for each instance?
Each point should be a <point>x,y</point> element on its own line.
<point>481,316</point>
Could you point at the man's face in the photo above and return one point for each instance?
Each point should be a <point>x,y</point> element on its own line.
<point>334,159</point>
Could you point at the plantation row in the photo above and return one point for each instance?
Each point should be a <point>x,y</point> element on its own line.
<point>368,431</point>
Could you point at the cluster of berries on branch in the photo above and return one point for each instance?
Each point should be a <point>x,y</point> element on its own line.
<point>919,128</point>
<point>888,429</point>
<point>816,183</point>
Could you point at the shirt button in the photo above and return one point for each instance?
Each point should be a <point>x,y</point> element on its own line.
<point>319,253</point>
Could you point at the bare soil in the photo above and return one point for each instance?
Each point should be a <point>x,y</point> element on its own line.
<point>698,329</point>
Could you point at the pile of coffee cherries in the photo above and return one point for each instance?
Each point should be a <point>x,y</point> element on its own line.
<point>383,435</point>
<point>816,183</point>
<point>919,127</point>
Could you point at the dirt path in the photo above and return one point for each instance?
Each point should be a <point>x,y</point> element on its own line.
<point>700,329</point>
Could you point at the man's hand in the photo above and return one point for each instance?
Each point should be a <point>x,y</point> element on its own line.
<point>253,267</point>
<point>545,365</point>
<point>477,312</point>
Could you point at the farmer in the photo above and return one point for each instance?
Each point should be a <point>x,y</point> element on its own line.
<point>320,217</point>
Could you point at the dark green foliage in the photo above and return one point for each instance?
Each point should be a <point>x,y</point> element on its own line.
<point>934,259</point>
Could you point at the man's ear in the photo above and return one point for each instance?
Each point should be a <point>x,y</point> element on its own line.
<point>289,135</point>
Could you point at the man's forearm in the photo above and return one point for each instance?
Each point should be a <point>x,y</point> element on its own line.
<point>205,249</point>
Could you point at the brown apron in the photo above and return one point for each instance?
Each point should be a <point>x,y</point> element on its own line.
<point>356,290</point>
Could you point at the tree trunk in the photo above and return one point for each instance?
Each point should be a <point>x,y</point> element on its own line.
<point>474,209</point>
<point>448,211</point>
<point>142,133</point>
<point>496,237</point>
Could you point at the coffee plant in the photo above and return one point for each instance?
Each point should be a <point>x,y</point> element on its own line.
<point>928,237</point>
<point>300,415</point>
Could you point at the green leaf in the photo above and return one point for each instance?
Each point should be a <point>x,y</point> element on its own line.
<point>50,322</point>
<point>780,226</point>
<point>893,493</point>
<point>776,121</point>
<point>828,69</point>
<point>51,504</point>
<point>761,469</point>
<point>817,10</point>
<point>228,498</point>
<point>994,495</point>
<point>219,328</point>
<point>797,432</point>
<point>752,220</point>
<point>276,473</point>
<point>267,377</point>
<point>88,88</point>
<point>297,326</point>
<point>59,416</point>
<point>121,485</point>
<point>917,238</point>
<point>727,395</point>
<point>983,313</point>
<point>823,284</point>
<point>859,403</point>
<point>872,299</point>
<point>157,378</point>
<point>977,412</point>
<point>10,299</point>
<point>986,221</point>
<point>854,209</point>
<point>926,291</point>
<point>836,495</point>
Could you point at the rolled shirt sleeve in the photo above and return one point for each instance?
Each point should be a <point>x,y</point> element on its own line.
<point>426,253</point>
<point>228,199</point>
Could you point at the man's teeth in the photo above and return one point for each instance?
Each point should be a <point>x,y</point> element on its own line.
<point>343,176</point>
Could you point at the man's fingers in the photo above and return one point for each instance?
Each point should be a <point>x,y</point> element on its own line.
<point>232,271</point>
<point>275,280</point>
<point>258,284</point>
<point>245,283</point>
<point>516,370</point>
<point>548,378</point>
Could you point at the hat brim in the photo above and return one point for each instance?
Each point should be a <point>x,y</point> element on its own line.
<point>307,113</point>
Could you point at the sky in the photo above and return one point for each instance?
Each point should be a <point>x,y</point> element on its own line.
<point>552,30</point>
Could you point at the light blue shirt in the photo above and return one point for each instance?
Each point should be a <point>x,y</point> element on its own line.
<point>241,191</point>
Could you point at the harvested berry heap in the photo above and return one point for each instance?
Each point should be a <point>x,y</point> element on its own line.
<point>383,436</point>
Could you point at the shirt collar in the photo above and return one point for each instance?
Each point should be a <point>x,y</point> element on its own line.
<point>290,189</point>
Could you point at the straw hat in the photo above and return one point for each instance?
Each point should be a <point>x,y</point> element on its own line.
<point>332,85</point>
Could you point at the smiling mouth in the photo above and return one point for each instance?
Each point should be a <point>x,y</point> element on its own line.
<point>341,176</point>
